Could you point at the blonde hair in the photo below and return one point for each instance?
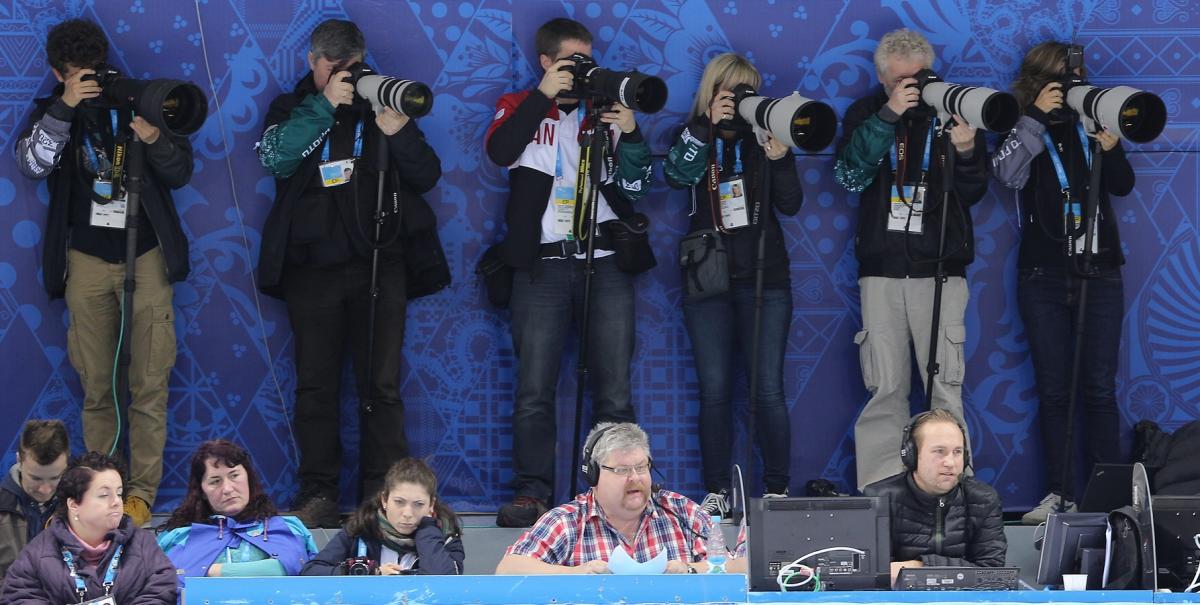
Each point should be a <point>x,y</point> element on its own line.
<point>726,70</point>
<point>902,43</point>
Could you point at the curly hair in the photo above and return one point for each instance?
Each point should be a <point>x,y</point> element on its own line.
<point>78,478</point>
<point>364,522</point>
<point>195,507</point>
<point>78,42</point>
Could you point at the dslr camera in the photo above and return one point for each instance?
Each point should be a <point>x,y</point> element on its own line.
<point>632,89</point>
<point>359,566</point>
<point>406,97</point>
<point>174,106</point>
<point>1132,114</point>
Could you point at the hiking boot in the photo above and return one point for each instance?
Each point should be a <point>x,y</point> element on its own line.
<point>1048,505</point>
<point>317,511</point>
<point>138,511</point>
<point>716,503</point>
<point>523,511</point>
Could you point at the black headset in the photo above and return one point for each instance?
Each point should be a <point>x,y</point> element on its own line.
<point>591,468</point>
<point>908,442</point>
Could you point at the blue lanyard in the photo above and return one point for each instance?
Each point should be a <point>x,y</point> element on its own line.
<point>924,161</point>
<point>737,155</point>
<point>558,173</point>
<point>362,549</point>
<point>110,574</point>
<point>1058,165</point>
<point>357,142</point>
<point>90,150</point>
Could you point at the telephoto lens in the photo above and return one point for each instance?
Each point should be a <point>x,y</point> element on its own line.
<point>1132,114</point>
<point>793,120</point>
<point>407,97</point>
<point>633,89</point>
<point>174,106</point>
<point>981,107</point>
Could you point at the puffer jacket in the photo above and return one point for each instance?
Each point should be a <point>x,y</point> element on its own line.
<point>39,576</point>
<point>964,527</point>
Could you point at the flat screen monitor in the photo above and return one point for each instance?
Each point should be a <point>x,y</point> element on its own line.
<point>1067,536</point>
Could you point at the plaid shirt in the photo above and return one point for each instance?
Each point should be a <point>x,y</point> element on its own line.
<point>578,532</point>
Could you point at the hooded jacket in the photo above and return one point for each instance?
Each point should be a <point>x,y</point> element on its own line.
<point>39,576</point>
<point>194,548</point>
<point>21,519</point>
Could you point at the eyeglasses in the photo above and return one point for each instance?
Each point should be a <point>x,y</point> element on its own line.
<point>625,471</point>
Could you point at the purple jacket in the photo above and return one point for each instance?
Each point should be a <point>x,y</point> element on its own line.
<point>39,575</point>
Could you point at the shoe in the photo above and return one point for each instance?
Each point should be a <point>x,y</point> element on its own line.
<point>138,511</point>
<point>716,503</point>
<point>1048,505</point>
<point>316,512</point>
<point>523,511</point>
<point>776,494</point>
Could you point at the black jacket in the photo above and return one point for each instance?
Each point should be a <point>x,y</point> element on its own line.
<point>863,165</point>
<point>940,530</point>
<point>437,553</point>
<point>301,203</point>
<point>168,166</point>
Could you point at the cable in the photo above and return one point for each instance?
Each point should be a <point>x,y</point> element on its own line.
<point>787,572</point>
<point>242,224</point>
<point>112,450</point>
<point>1195,578</point>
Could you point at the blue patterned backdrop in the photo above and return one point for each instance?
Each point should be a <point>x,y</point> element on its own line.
<point>235,376</point>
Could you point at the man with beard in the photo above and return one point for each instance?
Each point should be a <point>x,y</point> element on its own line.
<point>621,510</point>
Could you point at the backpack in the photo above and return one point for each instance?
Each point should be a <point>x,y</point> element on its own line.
<point>1129,555</point>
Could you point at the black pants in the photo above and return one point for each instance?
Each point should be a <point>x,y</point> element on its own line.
<point>329,311</point>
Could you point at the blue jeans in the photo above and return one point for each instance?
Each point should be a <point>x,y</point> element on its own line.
<point>712,325</point>
<point>1049,301</point>
<point>546,300</point>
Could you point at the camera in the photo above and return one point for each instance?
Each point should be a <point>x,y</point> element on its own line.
<point>981,107</point>
<point>406,97</point>
<point>1132,114</point>
<point>632,89</point>
<point>793,120</point>
<point>174,106</point>
<point>360,566</point>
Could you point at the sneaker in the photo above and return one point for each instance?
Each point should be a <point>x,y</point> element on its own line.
<point>716,503</point>
<point>138,511</point>
<point>776,494</point>
<point>316,512</point>
<point>1048,505</point>
<point>523,511</point>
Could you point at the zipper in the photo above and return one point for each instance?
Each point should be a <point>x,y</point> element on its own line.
<point>939,525</point>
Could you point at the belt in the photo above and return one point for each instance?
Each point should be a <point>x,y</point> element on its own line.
<point>569,248</point>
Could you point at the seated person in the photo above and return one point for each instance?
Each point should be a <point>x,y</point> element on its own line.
<point>970,531</point>
<point>226,524</point>
<point>619,511</point>
<point>404,529</point>
<point>27,499</point>
<point>73,559</point>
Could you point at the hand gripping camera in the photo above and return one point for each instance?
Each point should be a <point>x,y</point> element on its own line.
<point>406,97</point>
<point>1132,114</point>
<point>632,89</point>
<point>793,120</point>
<point>981,107</point>
<point>174,106</point>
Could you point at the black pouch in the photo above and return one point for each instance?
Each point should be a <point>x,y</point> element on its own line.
<point>705,264</point>
<point>631,243</point>
<point>497,276</point>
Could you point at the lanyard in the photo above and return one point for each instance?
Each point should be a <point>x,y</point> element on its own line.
<point>358,128</point>
<point>899,178</point>
<point>89,148</point>
<point>110,574</point>
<point>737,155</point>
<point>362,549</point>
<point>1058,165</point>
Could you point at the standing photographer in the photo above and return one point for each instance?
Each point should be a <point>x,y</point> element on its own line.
<point>716,138</point>
<point>316,255</point>
<point>1048,283</point>
<point>899,228</point>
<point>74,140</point>
<point>536,133</point>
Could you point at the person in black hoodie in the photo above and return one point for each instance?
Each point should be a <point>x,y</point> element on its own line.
<point>73,142</point>
<point>1048,282</point>
<point>899,227</point>
<point>404,529</point>
<point>716,139</point>
<point>316,254</point>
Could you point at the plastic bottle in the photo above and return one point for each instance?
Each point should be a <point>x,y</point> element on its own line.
<point>718,554</point>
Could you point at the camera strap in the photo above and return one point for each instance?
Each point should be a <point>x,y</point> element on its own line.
<point>583,177</point>
<point>712,186</point>
<point>1072,210</point>
<point>899,153</point>
<point>110,573</point>
<point>358,142</point>
<point>95,149</point>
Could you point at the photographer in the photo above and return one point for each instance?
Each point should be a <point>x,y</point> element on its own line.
<point>899,227</point>
<point>73,141</point>
<point>316,255</point>
<point>536,133</point>
<point>1048,282</point>
<point>404,529</point>
<point>715,138</point>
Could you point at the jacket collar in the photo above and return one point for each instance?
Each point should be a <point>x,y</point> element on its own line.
<point>12,484</point>
<point>62,534</point>
<point>926,499</point>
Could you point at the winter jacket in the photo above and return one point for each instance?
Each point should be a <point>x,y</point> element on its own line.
<point>521,137</point>
<point>686,166</point>
<point>438,553</point>
<point>311,225</point>
<point>864,166</point>
<point>55,132</point>
<point>964,527</point>
<point>39,576</point>
<point>284,541</point>
<point>1020,164</point>
<point>21,519</point>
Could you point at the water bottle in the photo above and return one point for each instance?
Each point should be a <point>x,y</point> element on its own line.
<point>718,554</point>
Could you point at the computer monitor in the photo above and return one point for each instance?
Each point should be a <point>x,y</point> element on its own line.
<point>1068,535</point>
<point>1176,539</point>
<point>784,529</point>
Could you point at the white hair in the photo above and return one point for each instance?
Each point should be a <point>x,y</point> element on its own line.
<point>617,437</point>
<point>902,43</point>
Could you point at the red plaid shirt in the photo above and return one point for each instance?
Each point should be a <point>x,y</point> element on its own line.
<point>578,532</point>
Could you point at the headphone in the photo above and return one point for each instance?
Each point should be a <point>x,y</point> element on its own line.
<point>591,468</point>
<point>908,441</point>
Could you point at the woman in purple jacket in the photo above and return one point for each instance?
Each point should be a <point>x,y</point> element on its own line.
<point>91,550</point>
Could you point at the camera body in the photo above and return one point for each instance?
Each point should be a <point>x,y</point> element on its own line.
<point>105,75</point>
<point>1131,114</point>
<point>632,89</point>
<point>406,97</point>
<point>582,68</point>
<point>360,566</point>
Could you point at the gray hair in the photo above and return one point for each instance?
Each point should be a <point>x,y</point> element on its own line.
<point>616,438</point>
<point>903,43</point>
<point>337,39</point>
